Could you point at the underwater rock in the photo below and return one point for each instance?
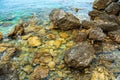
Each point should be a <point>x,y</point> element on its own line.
<point>97,34</point>
<point>101,73</point>
<point>1,36</point>
<point>115,35</point>
<point>113,8</point>
<point>79,56</point>
<point>8,72</point>
<point>39,73</point>
<point>63,20</point>
<point>34,41</point>
<point>17,31</point>
<point>102,4</point>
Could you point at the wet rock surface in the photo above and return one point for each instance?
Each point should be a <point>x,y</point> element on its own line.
<point>63,20</point>
<point>79,56</point>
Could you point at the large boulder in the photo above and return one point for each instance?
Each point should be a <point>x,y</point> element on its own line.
<point>113,8</point>
<point>97,34</point>
<point>102,4</point>
<point>63,20</point>
<point>79,56</point>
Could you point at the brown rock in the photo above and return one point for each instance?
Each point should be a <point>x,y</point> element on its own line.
<point>102,4</point>
<point>113,8</point>
<point>87,24</point>
<point>17,31</point>
<point>63,20</point>
<point>115,35</point>
<point>79,56</point>
<point>97,34</point>
<point>2,49</point>
<point>1,36</point>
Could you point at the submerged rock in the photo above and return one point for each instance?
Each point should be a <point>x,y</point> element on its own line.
<point>1,36</point>
<point>115,35</point>
<point>97,34</point>
<point>63,20</point>
<point>34,41</point>
<point>17,31</point>
<point>79,56</point>
<point>101,73</point>
<point>8,72</point>
<point>102,4</point>
<point>113,8</point>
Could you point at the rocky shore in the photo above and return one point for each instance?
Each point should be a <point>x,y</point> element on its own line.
<point>69,49</point>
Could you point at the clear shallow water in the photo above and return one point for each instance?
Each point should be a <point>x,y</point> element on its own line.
<point>12,11</point>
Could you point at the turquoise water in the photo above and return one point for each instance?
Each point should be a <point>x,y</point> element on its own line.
<point>12,11</point>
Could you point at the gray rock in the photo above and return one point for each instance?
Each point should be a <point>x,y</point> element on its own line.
<point>7,72</point>
<point>87,24</point>
<point>79,56</point>
<point>115,35</point>
<point>113,8</point>
<point>102,4</point>
<point>63,20</point>
<point>97,34</point>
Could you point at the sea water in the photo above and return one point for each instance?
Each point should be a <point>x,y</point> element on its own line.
<point>12,11</point>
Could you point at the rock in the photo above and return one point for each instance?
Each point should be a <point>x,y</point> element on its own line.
<point>113,8</point>
<point>25,37</point>
<point>8,72</point>
<point>102,4</point>
<point>82,36</point>
<point>51,64</point>
<point>17,31</point>
<point>39,73</point>
<point>34,41</point>
<point>1,36</point>
<point>101,73</point>
<point>87,24</point>
<point>63,35</point>
<point>2,49</point>
<point>107,26</point>
<point>28,69</point>
<point>97,34</point>
<point>63,20</point>
<point>115,35</point>
<point>79,56</point>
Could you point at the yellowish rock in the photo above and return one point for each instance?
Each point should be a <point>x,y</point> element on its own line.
<point>60,74</point>
<point>63,35</point>
<point>57,43</point>
<point>25,37</point>
<point>1,36</point>
<point>100,73</point>
<point>34,41</point>
<point>28,69</point>
<point>2,49</point>
<point>51,36</point>
<point>70,44</point>
<point>61,66</point>
<point>51,64</point>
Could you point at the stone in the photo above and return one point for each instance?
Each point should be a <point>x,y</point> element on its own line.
<point>97,34</point>
<point>63,35</point>
<point>25,37</point>
<point>28,69</point>
<point>51,64</point>
<point>1,36</point>
<point>34,41</point>
<point>2,49</point>
<point>63,20</point>
<point>8,72</point>
<point>102,4</point>
<point>79,56</point>
<point>57,43</point>
<point>87,24</point>
<point>107,26</point>
<point>115,35</point>
<point>39,73</point>
<point>113,8</point>
<point>101,73</point>
<point>17,31</point>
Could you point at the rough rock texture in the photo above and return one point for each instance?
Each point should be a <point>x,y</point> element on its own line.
<point>79,56</point>
<point>87,24</point>
<point>63,20</point>
<point>7,72</point>
<point>107,26</point>
<point>101,73</point>
<point>17,31</point>
<point>97,34</point>
<point>113,8</point>
<point>102,4</point>
<point>115,35</point>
